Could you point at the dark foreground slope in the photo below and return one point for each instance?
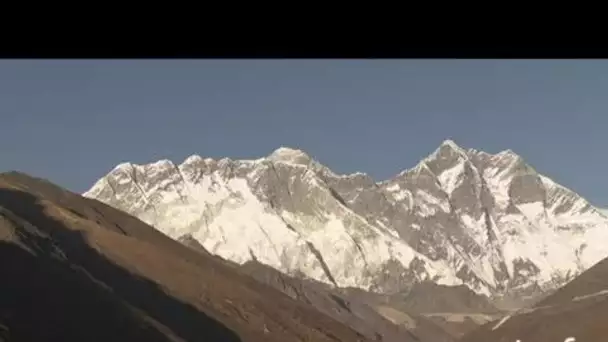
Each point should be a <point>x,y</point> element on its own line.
<point>74,269</point>
<point>579,310</point>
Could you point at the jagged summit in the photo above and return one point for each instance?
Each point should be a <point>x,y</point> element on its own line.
<point>195,158</point>
<point>507,152</point>
<point>290,155</point>
<point>451,144</point>
<point>447,149</point>
<point>447,152</point>
<point>123,166</point>
<point>285,150</point>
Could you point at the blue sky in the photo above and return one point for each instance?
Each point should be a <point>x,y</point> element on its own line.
<point>72,121</point>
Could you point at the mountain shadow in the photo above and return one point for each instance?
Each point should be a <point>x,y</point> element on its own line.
<point>55,286</point>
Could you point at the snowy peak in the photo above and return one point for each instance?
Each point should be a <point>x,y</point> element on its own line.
<point>196,159</point>
<point>507,154</point>
<point>449,145</point>
<point>445,155</point>
<point>290,155</point>
<point>461,216</point>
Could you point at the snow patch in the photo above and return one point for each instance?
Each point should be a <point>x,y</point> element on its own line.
<point>596,294</point>
<point>501,322</point>
<point>451,178</point>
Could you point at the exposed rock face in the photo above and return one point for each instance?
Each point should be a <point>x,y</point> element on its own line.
<point>460,217</point>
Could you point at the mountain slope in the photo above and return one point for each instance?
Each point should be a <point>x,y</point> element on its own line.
<point>355,313</point>
<point>460,217</point>
<point>76,269</point>
<point>456,310</point>
<point>349,311</point>
<point>578,310</point>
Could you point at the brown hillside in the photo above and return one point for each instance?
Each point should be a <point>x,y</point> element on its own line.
<point>579,310</point>
<point>74,269</point>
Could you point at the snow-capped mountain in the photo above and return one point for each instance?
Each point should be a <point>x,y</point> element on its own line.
<point>461,216</point>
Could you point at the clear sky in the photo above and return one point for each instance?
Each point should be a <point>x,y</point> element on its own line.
<point>72,121</point>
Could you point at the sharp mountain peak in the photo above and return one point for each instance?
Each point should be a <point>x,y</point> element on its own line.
<point>290,155</point>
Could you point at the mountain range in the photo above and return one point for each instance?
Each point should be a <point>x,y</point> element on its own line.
<point>460,217</point>
<point>466,246</point>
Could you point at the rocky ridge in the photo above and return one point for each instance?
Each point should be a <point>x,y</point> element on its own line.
<point>490,222</point>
